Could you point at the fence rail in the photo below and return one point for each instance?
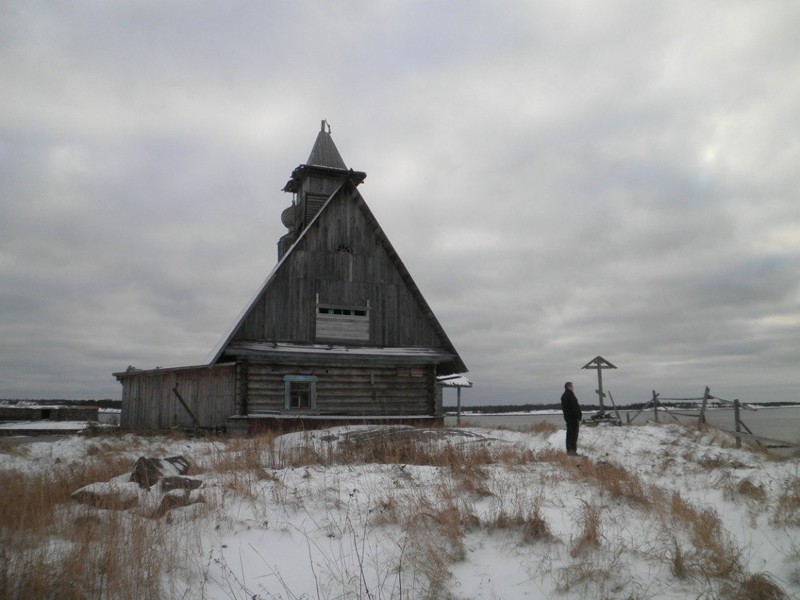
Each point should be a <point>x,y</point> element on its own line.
<point>656,404</point>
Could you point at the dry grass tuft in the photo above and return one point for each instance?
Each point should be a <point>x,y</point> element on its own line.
<point>529,522</point>
<point>407,449</point>
<point>535,528</point>
<point>677,559</point>
<point>435,528</point>
<point>590,534</point>
<point>719,462</point>
<point>748,489</point>
<point>619,483</point>
<point>597,576</point>
<point>11,449</point>
<point>616,481</point>
<point>759,586</point>
<point>473,479</point>
<point>787,510</point>
<point>242,454</point>
<point>542,428</point>
<point>709,553</point>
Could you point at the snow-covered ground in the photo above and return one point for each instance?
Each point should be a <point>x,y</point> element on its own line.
<point>646,512</point>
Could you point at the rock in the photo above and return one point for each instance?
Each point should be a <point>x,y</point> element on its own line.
<point>179,483</point>
<point>175,499</point>
<point>148,471</point>
<point>155,487</point>
<point>116,494</point>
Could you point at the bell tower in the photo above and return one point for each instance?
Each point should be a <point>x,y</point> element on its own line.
<point>311,185</point>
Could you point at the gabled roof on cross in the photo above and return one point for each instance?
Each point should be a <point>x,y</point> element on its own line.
<point>598,362</point>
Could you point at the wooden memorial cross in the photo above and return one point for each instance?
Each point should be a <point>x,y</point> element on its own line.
<point>599,363</point>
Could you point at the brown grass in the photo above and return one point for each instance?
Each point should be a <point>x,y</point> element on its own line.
<point>51,548</point>
<point>747,489</point>
<point>589,537</point>
<point>435,527</point>
<point>787,509</point>
<point>542,428</point>
<point>28,501</point>
<point>473,479</point>
<point>619,483</point>
<point>535,528</point>
<point>759,586</point>
<point>610,478</point>
<point>11,449</point>
<point>710,552</point>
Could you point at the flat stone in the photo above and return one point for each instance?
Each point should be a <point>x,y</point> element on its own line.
<point>148,471</point>
<point>176,482</point>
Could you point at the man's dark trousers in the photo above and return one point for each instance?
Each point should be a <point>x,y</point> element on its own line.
<point>572,434</point>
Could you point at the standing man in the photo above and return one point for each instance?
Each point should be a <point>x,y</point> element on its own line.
<point>572,415</point>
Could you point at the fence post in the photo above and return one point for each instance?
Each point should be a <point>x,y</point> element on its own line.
<point>738,422</point>
<point>458,405</point>
<point>702,418</point>
<point>655,405</point>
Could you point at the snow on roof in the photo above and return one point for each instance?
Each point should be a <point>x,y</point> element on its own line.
<point>431,355</point>
<point>454,381</point>
<point>45,425</point>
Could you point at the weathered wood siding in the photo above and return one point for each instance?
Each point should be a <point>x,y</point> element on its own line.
<point>148,400</point>
<point>339,327</point>
<point>359,391</point>
<point>314,192</point>
<point>342,259</point>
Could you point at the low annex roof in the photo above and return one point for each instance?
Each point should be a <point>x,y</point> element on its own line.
<point>454,381</point>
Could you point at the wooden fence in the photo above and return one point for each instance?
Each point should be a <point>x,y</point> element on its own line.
<point>741,430</point>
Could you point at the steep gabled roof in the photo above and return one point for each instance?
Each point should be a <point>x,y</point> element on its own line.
<point>324,153</point>
<point>325,160</point>
<point>348,186</point>
<point>219,349</point>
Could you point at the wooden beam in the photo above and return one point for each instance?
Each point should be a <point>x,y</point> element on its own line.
<point>185,406</point>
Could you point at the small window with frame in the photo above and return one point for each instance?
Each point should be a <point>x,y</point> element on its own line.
<point>300,392</point>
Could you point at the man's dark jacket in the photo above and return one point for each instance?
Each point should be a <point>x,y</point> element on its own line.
<point>569,404</point>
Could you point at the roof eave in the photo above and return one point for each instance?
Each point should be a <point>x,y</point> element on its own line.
<point>305,170</point>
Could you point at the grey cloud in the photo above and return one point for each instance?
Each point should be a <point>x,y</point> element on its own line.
<point>561,180</point>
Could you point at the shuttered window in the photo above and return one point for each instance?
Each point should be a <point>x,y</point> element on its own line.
<point>342,323</point>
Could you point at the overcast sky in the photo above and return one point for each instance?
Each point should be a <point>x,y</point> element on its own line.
<point>562,180</point>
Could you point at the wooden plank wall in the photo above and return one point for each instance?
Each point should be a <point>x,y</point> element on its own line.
<point>362,391</point>
<point>342,327</point>
<point>286,310</point>
<point>148,400</point>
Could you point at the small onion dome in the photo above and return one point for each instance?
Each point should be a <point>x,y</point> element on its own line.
<point>288,217</point>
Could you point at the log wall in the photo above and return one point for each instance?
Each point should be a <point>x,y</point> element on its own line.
<point>341,390</point>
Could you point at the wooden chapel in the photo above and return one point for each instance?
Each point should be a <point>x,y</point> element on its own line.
<point>338,332</point>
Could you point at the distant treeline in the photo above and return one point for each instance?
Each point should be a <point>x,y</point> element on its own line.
<point>509,408</point>
<point>102,403</point>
